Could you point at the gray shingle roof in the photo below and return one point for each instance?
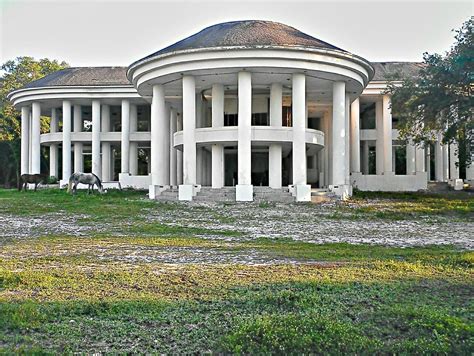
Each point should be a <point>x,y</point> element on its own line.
<point>385,70</point>
<point>250,33</point>
<point>83,76</point>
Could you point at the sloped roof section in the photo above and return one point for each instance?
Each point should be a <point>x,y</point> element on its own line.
<point>390,70</point>
<point>250,33</point>
<point>83,76</point>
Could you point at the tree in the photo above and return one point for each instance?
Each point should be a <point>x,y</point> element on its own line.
<point>16,74</point>
<point>440,98</point>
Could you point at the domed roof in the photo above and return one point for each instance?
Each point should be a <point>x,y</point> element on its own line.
<point>250,33</point>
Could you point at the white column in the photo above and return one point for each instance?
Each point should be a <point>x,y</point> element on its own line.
<point>244,189</point>
<point>302,189</point>
<point>96,161</point>
<point>365,157</point>
<point>173,151</point>
<point>275,149</point>
<point>419,159</point>
<point>428,162</point>
<point>107,174</point>
<point>35,139</point>
<point>379,155</point>
<point>66,140</point>
<point>328,147</point>
<point>133,144</point>
<point>355,136</point>
<point>387,134</point>
<point>438,159</point>
<point>179,157</point>
<point>78,147</point>
<point>445,153</point>
<point>25,139</point>
<point>453,161</point>
<point>125,141</point>
<point>411,158</point>
<point>53,148</point>
<point>217,164</point>
<point>159,143</point>
<point>339,137</point>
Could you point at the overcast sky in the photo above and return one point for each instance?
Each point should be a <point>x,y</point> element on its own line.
<point>111,32</point>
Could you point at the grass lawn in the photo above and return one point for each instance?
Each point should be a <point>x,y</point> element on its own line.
<point>138,285</point>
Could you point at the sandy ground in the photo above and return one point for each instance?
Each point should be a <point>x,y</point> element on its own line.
<point>297,222</point>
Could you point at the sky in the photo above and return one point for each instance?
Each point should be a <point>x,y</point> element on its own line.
<point>117,33</point>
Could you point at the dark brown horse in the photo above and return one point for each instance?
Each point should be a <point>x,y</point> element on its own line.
<point>35,179</point>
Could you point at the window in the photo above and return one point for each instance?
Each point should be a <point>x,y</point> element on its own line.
<point>231,119</point>
<point>260,119</point>
<point>286,116</point>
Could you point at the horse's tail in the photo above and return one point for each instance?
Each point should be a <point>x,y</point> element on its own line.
<point>69,186</point>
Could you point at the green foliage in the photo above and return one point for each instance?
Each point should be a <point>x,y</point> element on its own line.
<point>16,74</point>
<point>440,98</point>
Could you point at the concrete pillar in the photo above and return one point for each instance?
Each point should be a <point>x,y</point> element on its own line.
<point>339,136</point>
<point>78,146</point>
<point>379,164</point>
<point>107,171</point>
<point>159,139</point>
<point>66,140</point>
<point>125,141</point>
<point>25,139</point>
<point>411,158</point>
<point>438,148</point>
<point>35,138</point>
<point>244,188</point>
<point>53,148</point>
<point>453,161</point>
<point>179,156</point>
<point>302,189</point>
<point>355,136</point>
<point>217,164</point>
<point>275,149</point>
<point>96,161</point>
<point>328,147</point>
<point>133,157</point>
<point>365,157</point>
<point>445,153</point>
<point>387,134</point>
<point>428,162</point>
<point>173,151</point>
<point>420,159</point>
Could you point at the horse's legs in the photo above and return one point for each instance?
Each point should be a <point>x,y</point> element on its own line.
<point>36,184</point>
<point>74,188</point>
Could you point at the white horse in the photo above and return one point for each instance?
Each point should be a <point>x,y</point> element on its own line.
<point>85,178</point>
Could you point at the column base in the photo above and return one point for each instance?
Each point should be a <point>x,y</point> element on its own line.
<point>388,173</point>
<point>155,190</point>
<point>302,192</point>
<point>343,191</point>
<point>186,192</point>
<point>244,192</point>
<point>456,184</point>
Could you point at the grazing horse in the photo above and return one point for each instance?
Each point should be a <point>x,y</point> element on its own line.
<point>30,178</point>
<point>85,178</point>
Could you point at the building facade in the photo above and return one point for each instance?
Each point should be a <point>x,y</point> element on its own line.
<point>242,104</point>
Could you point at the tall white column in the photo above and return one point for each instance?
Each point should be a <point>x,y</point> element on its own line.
<point>328,147</point>
<point>419,159</point>
<point>379,146</point>
<point>438,159</point>
<point>445,153</point>
<point>411,158</point>
<point>275,149</point>
<point>96,161</point>
<point>35,139</point>
<point>125,141</point>
<point>244,189</point>
<point>217,164</point>
<point>25,139</point>
<point>78,147</point>
<point>387,134</point>
<point>355,136</point>
<point>365,157</point>
<point>159,143</point>
<point>53,148</point>
<point>173,151</point>
<point>107,174</point>
<point>339,137</point>
<point>302,189</point>
<point>66,140</point>
<point>179,156</point>
<point>428,162</point>
<point>453,161</point>
<point>133,144</point>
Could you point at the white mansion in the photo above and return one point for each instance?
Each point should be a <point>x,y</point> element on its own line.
<point>242,104</point>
